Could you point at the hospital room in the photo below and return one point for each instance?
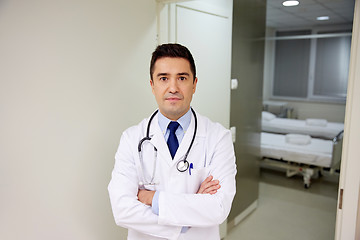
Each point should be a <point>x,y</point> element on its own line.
<point>74,75</point>
<point>302,119</point>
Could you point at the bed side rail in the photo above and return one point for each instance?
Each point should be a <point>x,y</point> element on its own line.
<point>338,136</point>
<point>337,149</point>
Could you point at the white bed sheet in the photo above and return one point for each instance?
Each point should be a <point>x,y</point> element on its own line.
<point>288,125</point>
<point>318,152</point>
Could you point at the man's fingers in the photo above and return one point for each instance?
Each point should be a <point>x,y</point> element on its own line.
<point>209,186</point>
<point>208,179</point>
<point>212,192</point>
<point>212,188</point>
<point>203,184</point>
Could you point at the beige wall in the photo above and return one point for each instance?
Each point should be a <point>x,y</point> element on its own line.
<point>73,76</point>
<point>334,112</point>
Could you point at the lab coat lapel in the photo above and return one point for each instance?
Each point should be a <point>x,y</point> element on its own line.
<point>158,140</point>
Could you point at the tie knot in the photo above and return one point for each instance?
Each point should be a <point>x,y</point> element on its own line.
<point>173,126</point>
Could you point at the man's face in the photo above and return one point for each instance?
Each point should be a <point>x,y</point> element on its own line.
<point>173,86</point>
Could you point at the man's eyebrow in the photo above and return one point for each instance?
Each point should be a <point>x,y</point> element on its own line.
<point>162,74</point>
<point>167,74</point>
<point>184,73</point>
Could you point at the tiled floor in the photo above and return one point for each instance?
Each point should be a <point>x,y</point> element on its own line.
<point>287,211</point>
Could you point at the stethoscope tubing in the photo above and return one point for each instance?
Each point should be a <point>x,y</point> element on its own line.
<point>148,138</point>
<point>147,131</point>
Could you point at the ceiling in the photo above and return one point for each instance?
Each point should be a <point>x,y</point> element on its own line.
<point>304,14</point>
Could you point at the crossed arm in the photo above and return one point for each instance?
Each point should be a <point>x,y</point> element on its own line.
<point>129,203</point>
<point>208,186</point>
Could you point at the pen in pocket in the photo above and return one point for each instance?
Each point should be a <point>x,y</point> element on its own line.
<point>191,166</point>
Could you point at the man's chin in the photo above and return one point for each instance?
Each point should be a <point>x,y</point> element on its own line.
<point>173,113</point>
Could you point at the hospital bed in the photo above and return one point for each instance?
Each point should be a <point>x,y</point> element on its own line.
<point>320,128</point>
<point>301,154</point>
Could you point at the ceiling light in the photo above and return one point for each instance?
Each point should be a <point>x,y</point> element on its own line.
<point>290,3</point>
<point>323,18</point>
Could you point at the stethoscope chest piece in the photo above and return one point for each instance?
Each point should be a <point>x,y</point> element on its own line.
<point>182,166</point>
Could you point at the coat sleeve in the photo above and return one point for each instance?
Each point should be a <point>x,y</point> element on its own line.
<point>123,189</point>
<point>202,210</point>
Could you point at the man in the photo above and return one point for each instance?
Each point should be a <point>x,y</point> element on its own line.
<point>174,173</point>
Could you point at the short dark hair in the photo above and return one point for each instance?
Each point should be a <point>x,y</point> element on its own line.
<point>173,50</point>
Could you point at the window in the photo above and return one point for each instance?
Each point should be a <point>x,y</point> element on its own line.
<point>311,67</point>
<point>332,66</point>
<point>291,65</point>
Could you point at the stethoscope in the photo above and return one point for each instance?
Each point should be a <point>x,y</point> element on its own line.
<point>181,166</point>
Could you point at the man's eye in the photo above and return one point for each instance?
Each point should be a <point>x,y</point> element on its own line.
<point>163,78</point>
<point>182,78</point>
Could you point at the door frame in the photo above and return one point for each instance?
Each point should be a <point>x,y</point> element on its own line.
<point>349,184</point>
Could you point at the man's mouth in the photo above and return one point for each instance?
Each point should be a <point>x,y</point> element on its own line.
<point>172,98</point>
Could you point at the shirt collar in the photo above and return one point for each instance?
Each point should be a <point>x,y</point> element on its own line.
<point>184,121</point>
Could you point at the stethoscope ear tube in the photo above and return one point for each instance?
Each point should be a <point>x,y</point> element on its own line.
<point>193,138</point>
<point>183,165</point>
<point>141,142</point>
<point>147,131</point>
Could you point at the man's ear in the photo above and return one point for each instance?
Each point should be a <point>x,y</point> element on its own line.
<point>152,85</point>
<point>194,85</point>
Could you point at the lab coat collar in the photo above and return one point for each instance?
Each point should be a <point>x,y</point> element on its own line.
<point>158,140</point>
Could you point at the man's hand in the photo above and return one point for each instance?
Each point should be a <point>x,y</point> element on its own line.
<point>209,186</point>
<point>146,196</point>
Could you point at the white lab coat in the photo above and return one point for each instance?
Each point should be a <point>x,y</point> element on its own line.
<point>179,205</point>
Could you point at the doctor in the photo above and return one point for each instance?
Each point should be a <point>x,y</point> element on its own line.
<point>174,173</point>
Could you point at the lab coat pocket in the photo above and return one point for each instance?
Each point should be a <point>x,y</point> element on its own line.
<point>196,178</point>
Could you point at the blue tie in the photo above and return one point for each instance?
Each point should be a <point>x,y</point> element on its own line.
<point>172,141</point>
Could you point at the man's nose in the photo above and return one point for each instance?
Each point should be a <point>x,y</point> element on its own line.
<point>173,85</point>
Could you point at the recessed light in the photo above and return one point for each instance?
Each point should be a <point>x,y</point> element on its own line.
<point>323,18</point>
<point>290,3</point>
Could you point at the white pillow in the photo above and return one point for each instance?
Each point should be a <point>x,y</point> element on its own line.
<point>316,122</point>
<point>267,116</point>
<point>298,139</point>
